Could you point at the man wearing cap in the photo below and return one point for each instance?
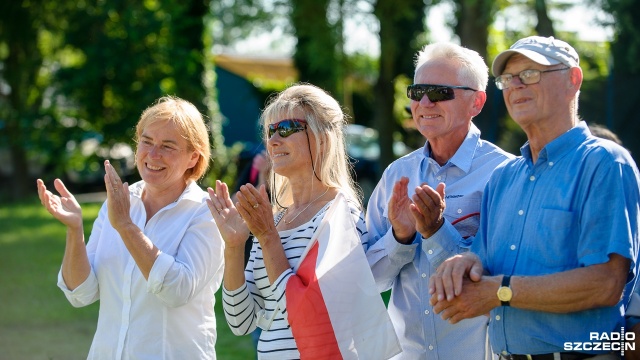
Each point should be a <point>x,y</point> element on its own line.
<point>555,257</point>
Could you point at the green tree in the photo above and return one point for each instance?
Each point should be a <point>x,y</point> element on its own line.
<point>401,23</point>
<point>473,21</point>
<point>71,71</point>
<point>132,53</point>
<point>316,55</point>
<point>622,91</point>
<point>27,36</point>
<point>626,44</point>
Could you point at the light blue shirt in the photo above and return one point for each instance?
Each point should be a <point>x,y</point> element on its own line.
<point>576,205</point>
<point>406,268</point>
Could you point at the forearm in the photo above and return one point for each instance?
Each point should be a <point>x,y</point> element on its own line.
<point>143,251</point>
<point>387,257</point>
<point>75,263</point>
<point>573,290</point>
<point>233,268</point>
<point>275,259</point>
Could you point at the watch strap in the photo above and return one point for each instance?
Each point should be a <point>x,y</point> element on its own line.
<point>506,281</point>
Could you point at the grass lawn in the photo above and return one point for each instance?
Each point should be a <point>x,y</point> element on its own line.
<point>36,321</point>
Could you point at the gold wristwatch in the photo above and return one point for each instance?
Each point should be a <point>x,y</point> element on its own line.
<point>504,291</point>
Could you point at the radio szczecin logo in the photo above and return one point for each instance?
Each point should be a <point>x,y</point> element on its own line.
<point>613,341</point>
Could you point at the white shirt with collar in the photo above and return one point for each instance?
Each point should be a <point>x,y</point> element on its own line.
<point>170,316</point>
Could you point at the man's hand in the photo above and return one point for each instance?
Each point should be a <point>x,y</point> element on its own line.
<point>448,280</point>
<point>476,298</point>
<point>428,209</point>
<point>402,222</point>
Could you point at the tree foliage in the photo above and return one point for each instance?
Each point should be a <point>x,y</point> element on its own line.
<point>626,44</point>
<point>27,44</point>
<point>79,70</point>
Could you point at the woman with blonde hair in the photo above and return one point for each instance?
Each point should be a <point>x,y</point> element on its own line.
<point>154,257</point>
<point>310,176</point>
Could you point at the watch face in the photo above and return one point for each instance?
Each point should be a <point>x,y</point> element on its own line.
<point>504,293</point>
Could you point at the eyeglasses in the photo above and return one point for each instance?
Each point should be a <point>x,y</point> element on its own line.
<point>435,93</point>
<point>288,127</point>
<point>527,77</point>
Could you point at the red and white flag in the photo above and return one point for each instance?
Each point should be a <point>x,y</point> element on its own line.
<point>333,305</point>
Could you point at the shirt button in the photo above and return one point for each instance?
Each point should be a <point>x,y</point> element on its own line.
<point>426,312</point>
<point>498,317</point>
<point>532,178</point>
<point>459,211</point>
<point>520,212</point>
<point>512,247</point>
<point>430,252</point>
<point>550,163</point>
<point>504,352</point>
<point>430,347</point>
<point>439,178</point>
<point>424,275</point>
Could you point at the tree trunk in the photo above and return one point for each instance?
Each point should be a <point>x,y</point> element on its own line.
<point>544,27</point>
<point>400,23</point>
<point>474,17</point>
<point>315,55</point>
<point>21,68</point>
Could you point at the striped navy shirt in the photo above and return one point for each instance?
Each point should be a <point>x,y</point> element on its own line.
<point>257,302</point>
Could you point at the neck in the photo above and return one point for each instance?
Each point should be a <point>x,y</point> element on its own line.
<point>540,135</point>
<point>155,199</point>
<point>441,150</point>
<point>304,190</point>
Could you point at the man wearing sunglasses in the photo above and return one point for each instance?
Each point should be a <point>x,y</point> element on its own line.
<point>555,258</point>
<point>407,221</point>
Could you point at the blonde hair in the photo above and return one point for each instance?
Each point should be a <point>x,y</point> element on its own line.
<point>326,120</point>
<point>190,124</point>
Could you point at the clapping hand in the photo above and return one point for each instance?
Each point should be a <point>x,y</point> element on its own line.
<point>118,202</point>
<point>232,227</point>
<point>64,207</point>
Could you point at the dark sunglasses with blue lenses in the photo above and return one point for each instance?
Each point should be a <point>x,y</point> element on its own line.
<point>287,127</point>
<point>435,93</point>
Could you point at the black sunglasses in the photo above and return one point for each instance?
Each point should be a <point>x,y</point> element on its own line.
<point>435,93</point>
<point>287,127</point>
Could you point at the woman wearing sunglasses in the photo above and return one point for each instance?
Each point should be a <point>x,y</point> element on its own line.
<point>303,132</point>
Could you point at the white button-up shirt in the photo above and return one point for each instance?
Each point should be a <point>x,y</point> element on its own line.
<point>170,316</point>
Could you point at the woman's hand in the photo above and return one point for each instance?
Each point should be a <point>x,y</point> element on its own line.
<point>118,202</point>
<point>232,227</point>
<point>65,208</point>
<point>255,209</point>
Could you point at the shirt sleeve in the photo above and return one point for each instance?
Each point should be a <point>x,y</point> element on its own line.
<point>243,305</point>
<point>620,235</point>
<point>445,243</point>
<point>385,255</point>
<point>175,280</point>
<point>239,310</point>
<point>88,292</point>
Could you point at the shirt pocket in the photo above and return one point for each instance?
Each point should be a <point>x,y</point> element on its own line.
<point>555,246</point>
<point>464,214</point>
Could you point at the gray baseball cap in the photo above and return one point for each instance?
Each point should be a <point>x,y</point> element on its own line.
<point>543,50</point>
